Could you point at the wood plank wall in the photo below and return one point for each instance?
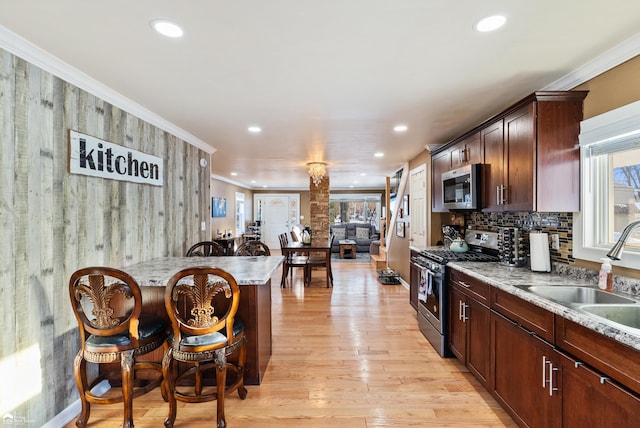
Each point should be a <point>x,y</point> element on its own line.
<point>53,223</point>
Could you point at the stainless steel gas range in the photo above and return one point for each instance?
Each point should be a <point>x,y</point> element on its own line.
<point>432,288</point>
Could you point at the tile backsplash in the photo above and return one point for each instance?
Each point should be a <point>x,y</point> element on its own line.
<point>551,223</point>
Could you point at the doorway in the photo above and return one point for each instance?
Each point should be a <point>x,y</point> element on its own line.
<point>277,213</point>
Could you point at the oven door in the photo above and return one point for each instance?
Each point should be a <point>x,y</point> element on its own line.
<point>430,296</point>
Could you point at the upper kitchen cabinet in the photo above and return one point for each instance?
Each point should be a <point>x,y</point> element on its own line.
<point>463,151</point>
<point>529,154</point>
<point>440,162</point>
<point>466,151</point>
<point>535,166</point>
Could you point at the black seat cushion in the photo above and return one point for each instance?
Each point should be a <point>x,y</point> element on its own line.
<point>149,326</point>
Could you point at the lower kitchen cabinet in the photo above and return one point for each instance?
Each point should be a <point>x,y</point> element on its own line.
<point>590,399</point>
<point>544,370</point>
<point>469,329</point>
<point>525,382</point>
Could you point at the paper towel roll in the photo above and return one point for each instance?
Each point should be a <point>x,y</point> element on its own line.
<point>539,245</point>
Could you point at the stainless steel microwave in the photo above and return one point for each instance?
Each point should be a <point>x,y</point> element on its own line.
<point>461,188</point>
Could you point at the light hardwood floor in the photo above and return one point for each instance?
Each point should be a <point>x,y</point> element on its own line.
<point>348,356</point>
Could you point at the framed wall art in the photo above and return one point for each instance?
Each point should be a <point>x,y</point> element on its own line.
<point>218,207</point>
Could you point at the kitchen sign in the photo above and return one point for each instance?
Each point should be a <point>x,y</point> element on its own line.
<point>98,158</point>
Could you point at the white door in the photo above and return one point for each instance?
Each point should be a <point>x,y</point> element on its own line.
<point>418,205</point>
<point>279,213</point>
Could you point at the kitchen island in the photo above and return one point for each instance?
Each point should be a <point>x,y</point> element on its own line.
<point>253,275</point>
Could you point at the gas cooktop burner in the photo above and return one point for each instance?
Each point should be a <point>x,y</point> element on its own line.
<point>444,256</point>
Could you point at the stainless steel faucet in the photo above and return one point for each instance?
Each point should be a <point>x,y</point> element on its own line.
<point>616,252</point>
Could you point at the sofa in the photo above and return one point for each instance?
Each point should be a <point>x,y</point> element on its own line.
<point>362,233</point>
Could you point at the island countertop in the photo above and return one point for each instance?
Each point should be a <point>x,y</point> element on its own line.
<point>249,270</point>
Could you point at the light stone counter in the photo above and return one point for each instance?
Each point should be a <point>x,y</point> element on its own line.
<point>246,270</point>
<point>508,278</point>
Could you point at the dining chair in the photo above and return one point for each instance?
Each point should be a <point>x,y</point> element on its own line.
<point>321,260</point>
<point>291,260</point>
<point>202,303</point>
<point>206,249</point>
<point>253,248</point>
<point>107,304</point>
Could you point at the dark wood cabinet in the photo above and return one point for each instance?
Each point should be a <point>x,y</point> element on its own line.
<point>524,376</point>
<point>228,244</point>
<point>540,164</point>
<point>529,153</point>
<point>469,328</point>
<point>590,399</point>
<point>439,163</point>
<point>492,139</point>
<point>467,151</point>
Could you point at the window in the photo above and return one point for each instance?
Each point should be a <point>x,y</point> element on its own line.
<point>610,165</point>
<point>240,225</point>
<point>355,208</point>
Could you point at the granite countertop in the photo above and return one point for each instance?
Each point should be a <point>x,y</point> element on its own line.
<point>250,270</point>
<point>509,278</point>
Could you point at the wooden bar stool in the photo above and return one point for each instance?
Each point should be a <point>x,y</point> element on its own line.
<point>107,304</point>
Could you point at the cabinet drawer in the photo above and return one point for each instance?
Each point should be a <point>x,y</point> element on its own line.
<point>472,287</point>
<point>620,362</point>
<point>529,316</point>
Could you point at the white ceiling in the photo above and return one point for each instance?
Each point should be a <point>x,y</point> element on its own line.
<point>326,80</point>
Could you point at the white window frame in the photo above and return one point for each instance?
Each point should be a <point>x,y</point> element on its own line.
<point>240,214</point>
<point>607,133</point>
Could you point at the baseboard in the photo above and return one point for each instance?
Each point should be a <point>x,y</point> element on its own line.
<point>74,409</point>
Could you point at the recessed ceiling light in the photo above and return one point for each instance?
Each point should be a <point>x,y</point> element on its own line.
<point>400,128</point>
<point>265,186</point>
<point>167,28</point>
<point>234,174</point>
<point>490,23</point>
<point>363,174</point>
<point>254,129</point>
<point>379,154</point>
<point>253,181</point>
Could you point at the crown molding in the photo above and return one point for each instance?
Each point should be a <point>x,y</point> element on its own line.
<point>615,56</point>
<point>31,53</point>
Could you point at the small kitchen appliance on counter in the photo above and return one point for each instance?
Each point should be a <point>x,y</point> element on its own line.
<point>512,246</point>
<point>540,259</point>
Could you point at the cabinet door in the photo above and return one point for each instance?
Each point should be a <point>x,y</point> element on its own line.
<point>478,340</point>
<point>521,374</point>
<point>520,145</point>
<point>492,170</point>
<point>466,151</point>
<point>440,163</point>
<point>591,400</point>
<point>457,326</point>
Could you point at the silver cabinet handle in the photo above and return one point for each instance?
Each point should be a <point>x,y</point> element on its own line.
<point>464,312</point>
<point>604,379</point>
<point>551,370</point>
<point>460,310</point>
<point>497,195</point>
<point>544,371</point>
<point>464,284</point>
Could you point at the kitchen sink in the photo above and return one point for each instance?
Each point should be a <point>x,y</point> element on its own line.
<point>626,315</point>
<point>578,295</point>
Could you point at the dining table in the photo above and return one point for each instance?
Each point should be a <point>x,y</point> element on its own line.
<point>315,246</point>
<point>253,275</point>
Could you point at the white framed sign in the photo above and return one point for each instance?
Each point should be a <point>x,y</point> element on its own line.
<point>98,158</point>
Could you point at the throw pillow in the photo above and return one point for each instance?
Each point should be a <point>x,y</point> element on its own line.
<point>339,232</point>
<point>362,233</point>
